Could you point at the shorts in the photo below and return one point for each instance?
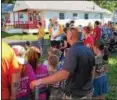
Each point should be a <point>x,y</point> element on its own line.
<point>100,86</point>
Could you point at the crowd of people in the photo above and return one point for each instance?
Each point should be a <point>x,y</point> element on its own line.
<point>75,68</point>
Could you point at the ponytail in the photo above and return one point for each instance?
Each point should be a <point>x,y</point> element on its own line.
<point>106,54</point>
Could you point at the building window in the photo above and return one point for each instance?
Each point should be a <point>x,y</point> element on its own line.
<point>61,16</point>
<point>75,15</point>
<point>86,16</point>
<point>21,15</point>
<point>96,16</point>
<point>101,16</point>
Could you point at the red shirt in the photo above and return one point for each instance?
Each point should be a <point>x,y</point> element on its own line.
<point>89,40</point>
<point>97,32</point>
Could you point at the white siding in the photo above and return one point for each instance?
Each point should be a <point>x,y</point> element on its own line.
<point>115,16</point>
<point>80,20</point>
<point>16,16</point>
<point>107,18</point>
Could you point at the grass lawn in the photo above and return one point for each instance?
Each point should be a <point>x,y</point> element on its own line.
<point>111,75</point>
<point>17,36</point>
<point>112,70</point>
<point>112,78</point>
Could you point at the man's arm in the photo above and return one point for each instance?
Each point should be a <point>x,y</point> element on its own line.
<point>68,68</point>
<point>57,77</point>
<point>15,75</point>
<point>14,84</point>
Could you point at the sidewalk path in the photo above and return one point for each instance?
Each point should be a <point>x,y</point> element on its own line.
<point>22,43</point>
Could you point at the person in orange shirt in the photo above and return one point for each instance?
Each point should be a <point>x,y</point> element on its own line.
<point>10,73</point>
<point>41,34</point>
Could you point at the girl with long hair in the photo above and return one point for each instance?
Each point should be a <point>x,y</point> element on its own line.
<point>33,56</point>
<point>100,79</point>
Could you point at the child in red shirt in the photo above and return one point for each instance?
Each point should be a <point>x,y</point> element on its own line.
<point>88,41</point>
<point>97,31</point>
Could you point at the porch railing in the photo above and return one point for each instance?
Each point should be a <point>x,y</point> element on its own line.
<point>25,25</point>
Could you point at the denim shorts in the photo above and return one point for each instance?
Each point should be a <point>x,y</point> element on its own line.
<point>100,86</point>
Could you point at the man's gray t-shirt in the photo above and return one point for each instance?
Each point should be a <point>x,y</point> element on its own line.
<point>79,62</point>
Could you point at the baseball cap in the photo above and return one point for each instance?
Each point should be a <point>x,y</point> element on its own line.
<point>20,53</point>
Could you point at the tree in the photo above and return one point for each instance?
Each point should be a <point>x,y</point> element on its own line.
<point>108,4</point>
<point>8,1</point>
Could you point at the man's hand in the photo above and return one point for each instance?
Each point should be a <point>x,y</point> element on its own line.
<point>35,83</point>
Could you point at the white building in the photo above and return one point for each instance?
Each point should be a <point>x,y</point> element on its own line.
<point>115,16</point>
<point>28,13</point>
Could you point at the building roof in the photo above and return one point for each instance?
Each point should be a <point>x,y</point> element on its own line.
<point>6,8</point>
<point>87,6</point>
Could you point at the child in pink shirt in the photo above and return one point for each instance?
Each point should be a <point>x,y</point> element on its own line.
<point>40,70</point>
<point>26,77</point>
<point>27,74</point>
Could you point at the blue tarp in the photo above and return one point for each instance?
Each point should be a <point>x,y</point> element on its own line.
<point>6,8</point>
